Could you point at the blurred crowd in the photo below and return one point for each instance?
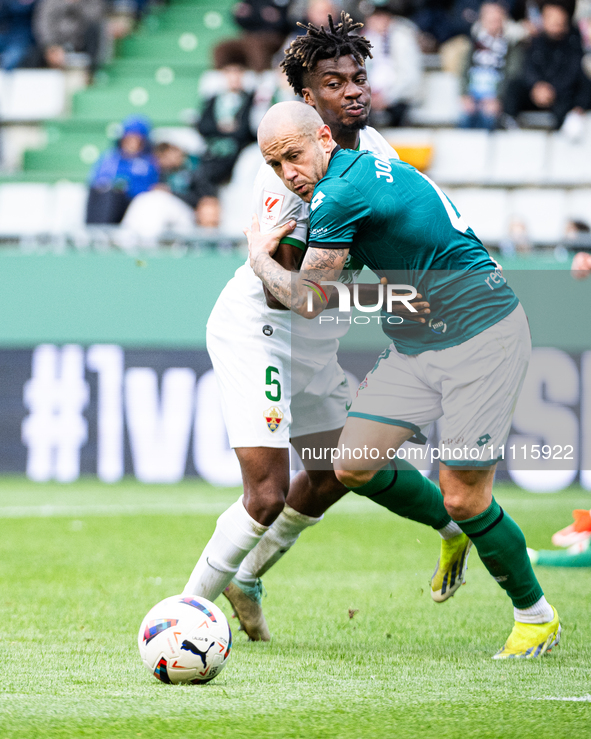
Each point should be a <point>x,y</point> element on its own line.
<point>513,58</point>
<point>63,34</point>
<point>518,62</point>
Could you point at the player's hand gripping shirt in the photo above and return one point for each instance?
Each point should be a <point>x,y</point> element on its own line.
<point>275,205</point>
<point>395,220</point>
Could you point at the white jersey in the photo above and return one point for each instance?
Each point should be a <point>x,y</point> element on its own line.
<point>277,372</point>
<point>275,205</point>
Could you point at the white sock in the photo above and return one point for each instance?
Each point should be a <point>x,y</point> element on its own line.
<point>448,532</point>
<point>540,613</point>
<point>236,533</point>
<point>282,535</point>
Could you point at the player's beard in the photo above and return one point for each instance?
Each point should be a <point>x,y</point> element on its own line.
<point>355,124</point>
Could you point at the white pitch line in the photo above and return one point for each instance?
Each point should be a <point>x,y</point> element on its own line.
<point>80,511</point>
<point>579,699</point>
<point>349,506</point>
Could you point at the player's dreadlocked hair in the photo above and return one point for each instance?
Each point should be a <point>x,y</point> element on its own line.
<point>321,43</point>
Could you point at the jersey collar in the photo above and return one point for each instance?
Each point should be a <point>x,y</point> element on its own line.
<point>334,151</point>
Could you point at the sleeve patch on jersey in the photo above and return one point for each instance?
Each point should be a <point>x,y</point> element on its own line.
<point>272,205</point>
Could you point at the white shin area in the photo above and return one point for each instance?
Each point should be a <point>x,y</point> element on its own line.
<point>280,537</point>
<point>236,534</point>
<point>540,613</point>
<point>450,531</point>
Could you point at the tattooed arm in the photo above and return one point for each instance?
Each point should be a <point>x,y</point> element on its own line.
<point>291,288</point>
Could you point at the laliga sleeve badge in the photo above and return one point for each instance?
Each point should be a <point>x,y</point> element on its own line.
<point>273,417</point>
<point>272,205</point>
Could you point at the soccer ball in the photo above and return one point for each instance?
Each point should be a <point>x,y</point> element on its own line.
<point>185,639</point>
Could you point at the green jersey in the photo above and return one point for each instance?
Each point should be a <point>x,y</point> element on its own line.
<point>395,220</point>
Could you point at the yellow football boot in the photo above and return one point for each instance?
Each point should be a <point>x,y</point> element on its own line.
<point>451,567</point>
<point>527,641</point>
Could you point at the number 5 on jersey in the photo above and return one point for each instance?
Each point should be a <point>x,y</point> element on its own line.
<point>273,386</point>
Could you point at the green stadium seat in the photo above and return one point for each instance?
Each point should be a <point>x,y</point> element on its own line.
<point>156,73</point>
<point>171,47</point>
<point>69,155</point>
<point>173,103</point>
<point>49,177</point>
<point>124,68</point>
<point>205,18</point>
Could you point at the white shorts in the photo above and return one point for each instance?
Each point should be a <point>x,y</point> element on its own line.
<point>270,390</point>
<point>472,387</point>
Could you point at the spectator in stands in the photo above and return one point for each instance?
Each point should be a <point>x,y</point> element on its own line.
<point>493,58</point>
<point>517,240</point>
<point>578,236</point>
<point>16,32</point>
<point>208,212</point>
<point>265,24</point>
<point>122,173</point>
<point>395,70</point>
<point>552,78</point>
<point>225,123</point>
<point>446,27</point>
<point>180,174</point>
<point>66,29</point>
<point>179,202</point>
<point>581,266</point>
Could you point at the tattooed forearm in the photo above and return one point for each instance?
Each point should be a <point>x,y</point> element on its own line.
<point>291,288</point>
<point>276,278</point>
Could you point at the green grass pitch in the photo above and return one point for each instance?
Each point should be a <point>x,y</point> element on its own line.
<point>80,565</point>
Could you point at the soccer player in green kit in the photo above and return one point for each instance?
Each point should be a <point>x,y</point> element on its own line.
<point>465,367</point>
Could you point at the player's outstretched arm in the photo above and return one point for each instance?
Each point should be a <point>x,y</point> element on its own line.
<point>289,289</point>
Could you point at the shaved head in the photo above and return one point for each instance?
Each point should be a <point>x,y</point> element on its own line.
<point>290,116</point>
<point>297,144</point>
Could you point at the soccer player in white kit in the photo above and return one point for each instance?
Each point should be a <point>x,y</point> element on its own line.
<point>279,382</point>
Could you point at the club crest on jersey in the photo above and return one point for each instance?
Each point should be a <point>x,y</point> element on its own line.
<point>273,417</point>
<point>437,325</point>
<point>272,205</point>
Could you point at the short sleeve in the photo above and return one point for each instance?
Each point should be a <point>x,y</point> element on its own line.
<point>275,205</point>
<point>337,211</point>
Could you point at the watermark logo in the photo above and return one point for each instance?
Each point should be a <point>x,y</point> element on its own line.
<point>387,295</point>
<point>316,290</point>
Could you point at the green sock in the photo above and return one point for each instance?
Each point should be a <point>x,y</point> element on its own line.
<point>548,558</point>
<point>501,546</point>
<point>404,491</point>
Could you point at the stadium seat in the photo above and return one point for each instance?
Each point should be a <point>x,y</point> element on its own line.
<point>172,46</point>
<point>484,209</point>
<point>188,139</point>
<point>441,101</point>
<point>198,18</point>
<point>24,209</point>
<point>542,210</point>
<point>42,208</point>
<point>461,156</point>
<point>68,207</point>
<point>32,94</point>
<point>414,145</point>
<point>569,162</point>
<point>578,205</point>
<point>518,157</point>
<point>123,69</point>
<point>170,103</point>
